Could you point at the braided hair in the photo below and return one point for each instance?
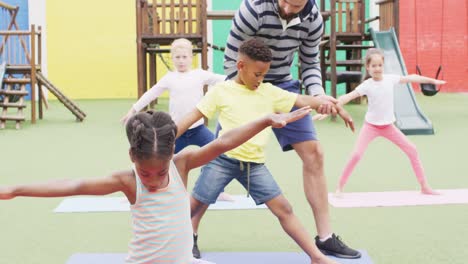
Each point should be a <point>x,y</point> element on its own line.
<point>150,134</point>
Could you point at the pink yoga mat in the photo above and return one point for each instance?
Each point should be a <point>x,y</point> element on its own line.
<point>399,198</point>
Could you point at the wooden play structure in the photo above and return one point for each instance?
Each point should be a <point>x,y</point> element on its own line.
<point>20,53</point>
<point>159,22</point>
<point>389,15</point>
<point>347,32</point>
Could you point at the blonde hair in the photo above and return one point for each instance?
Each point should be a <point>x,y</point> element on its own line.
<point>181,43</point>
<point>371,52</point>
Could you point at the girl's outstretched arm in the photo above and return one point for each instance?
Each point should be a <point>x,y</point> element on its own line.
<point>344,99</point>
<point>420,79</point>
<point>187,160</point>
<point>66,187</point>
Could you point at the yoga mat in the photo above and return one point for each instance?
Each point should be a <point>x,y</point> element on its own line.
<point>120,204</point>
<point>222,258</point>
<point>399,198</point>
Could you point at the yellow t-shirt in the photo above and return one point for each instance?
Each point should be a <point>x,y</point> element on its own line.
<point>237,105</point>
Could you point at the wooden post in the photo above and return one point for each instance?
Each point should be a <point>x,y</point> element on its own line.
<point>333,78</point>
<point>39,62</point>
<point>33,74</point>
<point>203,26</point>
<point>140,50</point>
<point>152,74</point>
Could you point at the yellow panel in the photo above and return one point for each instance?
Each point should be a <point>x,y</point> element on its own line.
<point>92,48</point>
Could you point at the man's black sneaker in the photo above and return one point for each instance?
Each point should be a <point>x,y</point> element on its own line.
<point>195,251</point>
<point>336,247</point>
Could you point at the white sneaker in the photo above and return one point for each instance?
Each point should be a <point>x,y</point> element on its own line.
<point>201,261</point>
<point>225,197</point>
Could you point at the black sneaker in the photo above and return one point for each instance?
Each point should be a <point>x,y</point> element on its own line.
<point>336,247</point>
<point>195,251</point>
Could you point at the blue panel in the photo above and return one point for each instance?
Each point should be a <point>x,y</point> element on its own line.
<point>22,22</point>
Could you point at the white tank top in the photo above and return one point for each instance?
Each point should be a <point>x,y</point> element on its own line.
<point>162,230</point>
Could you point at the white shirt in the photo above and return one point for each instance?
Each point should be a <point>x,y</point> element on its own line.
<point>185,91</point>
<point>380,98</point>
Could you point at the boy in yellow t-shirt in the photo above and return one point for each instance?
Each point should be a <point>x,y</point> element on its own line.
<point>238,102</point>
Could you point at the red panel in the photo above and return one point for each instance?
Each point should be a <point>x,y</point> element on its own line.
<point>433,33</point>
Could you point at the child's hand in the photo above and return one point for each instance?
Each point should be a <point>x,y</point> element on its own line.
<point>125,118</point>
<point>345,116</point>
<point>281,120</point>
<point>6,193</point>
<point>439,82</point>
<point>319,117</point>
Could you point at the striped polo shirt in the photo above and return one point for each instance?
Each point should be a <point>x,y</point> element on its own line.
<point>260,19</point>
<point>162,230</point>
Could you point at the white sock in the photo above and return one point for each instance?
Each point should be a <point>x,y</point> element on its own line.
<point>325,238</point>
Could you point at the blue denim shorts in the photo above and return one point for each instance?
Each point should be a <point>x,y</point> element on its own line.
<point>221,171</point>
<point>298,131</point>
<point>198,136</point>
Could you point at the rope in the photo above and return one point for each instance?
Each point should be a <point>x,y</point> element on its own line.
<point>215,47</point>
<point>164,61</point>
<point>441,33</point>
<point>442,39</point>
<point>416,30</point>
<point>167,64</point>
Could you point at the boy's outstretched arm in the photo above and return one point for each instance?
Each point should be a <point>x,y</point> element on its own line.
<point>187,121</point>
<point>420,79</point>
<point>234,138</point>
<point>66,187</point>
<point>321,104</point>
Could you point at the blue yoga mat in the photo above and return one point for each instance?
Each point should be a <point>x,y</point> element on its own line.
<point>221,258</point>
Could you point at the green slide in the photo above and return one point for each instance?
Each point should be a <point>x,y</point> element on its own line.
<point>409,117</point>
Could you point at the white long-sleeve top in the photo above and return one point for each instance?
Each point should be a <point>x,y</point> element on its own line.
<point>185,91</point>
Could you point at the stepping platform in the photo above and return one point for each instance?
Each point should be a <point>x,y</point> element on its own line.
<point>399,198</point>
<point>121,204</point>
<point>221,258</point>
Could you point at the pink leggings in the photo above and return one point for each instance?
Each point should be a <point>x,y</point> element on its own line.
<point>368,133</point>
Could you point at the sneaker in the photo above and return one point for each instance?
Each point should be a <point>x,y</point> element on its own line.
<point>336,247</point>
<point>195,251</point>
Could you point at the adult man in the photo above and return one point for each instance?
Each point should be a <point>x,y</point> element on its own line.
<point>286,26</point>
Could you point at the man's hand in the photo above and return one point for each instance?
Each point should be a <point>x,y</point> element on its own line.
<point>319,117</point>
<point>280,120</point>
<point>327,105</point>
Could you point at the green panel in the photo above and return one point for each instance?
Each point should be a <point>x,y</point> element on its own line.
<point>221,31</point>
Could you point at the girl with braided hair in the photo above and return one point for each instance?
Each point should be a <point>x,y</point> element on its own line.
<point>155,186</point>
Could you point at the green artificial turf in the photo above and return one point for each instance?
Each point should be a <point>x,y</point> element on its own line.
<point>58,147</point>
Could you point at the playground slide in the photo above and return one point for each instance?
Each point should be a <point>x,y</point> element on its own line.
<point>409,117</point>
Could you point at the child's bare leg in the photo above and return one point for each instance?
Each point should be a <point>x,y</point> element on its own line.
<point>281,208</point>
<point>197,210</point>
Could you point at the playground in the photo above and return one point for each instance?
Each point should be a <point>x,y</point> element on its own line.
<point>60,112</point>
